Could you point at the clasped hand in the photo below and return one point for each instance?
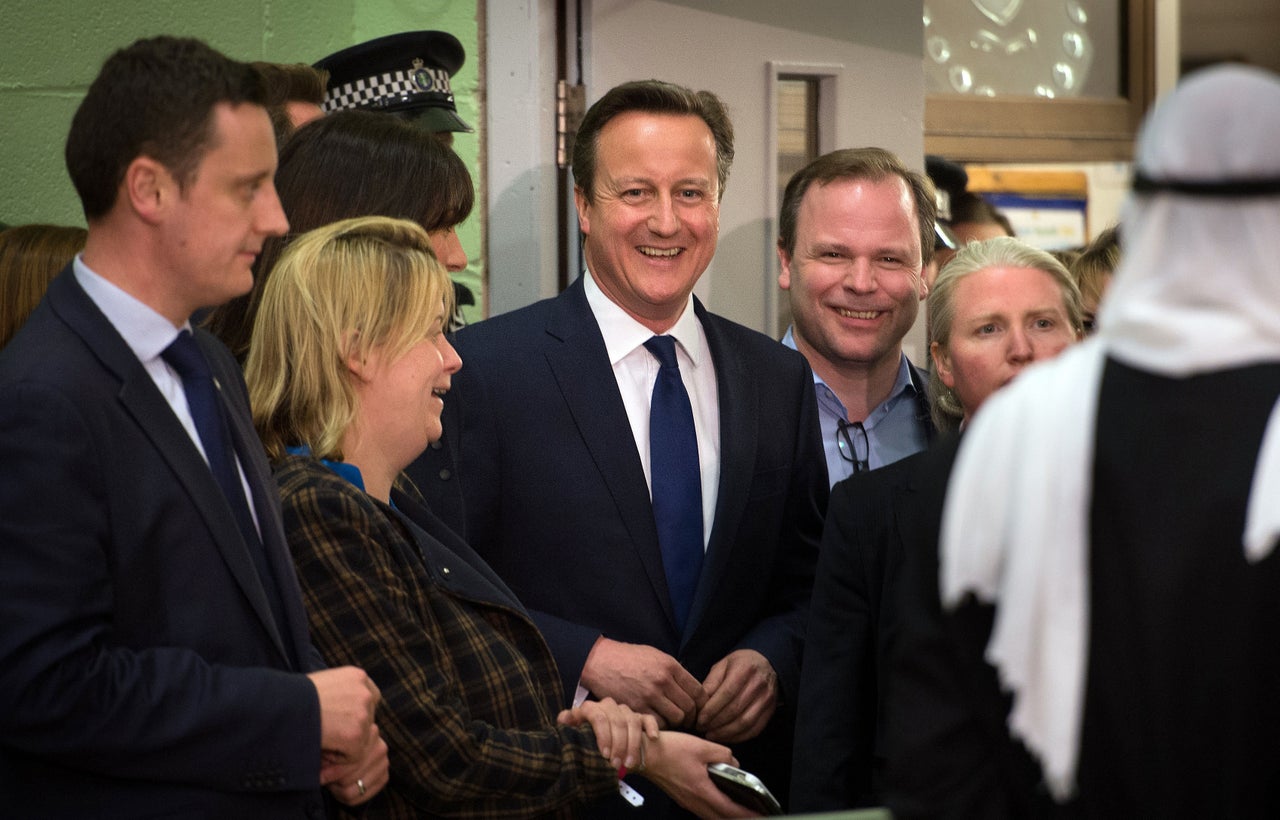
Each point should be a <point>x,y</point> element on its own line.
<point>734,703</point>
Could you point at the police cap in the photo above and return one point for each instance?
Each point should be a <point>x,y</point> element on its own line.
<point>949,181</point>
<point>406,74</point>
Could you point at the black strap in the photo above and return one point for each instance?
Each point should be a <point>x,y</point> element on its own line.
<point>1144,184</point>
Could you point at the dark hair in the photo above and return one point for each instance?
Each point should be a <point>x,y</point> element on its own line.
<point>654,97</point>
<point>154,98</point>
<point>284,83</point>
<point>968,206</point>
<point>352,163</point>
<point>30,257</point>
<point>874,164</point>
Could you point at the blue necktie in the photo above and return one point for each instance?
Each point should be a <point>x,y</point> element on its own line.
<point>676,479</point>
<point>184,356</point>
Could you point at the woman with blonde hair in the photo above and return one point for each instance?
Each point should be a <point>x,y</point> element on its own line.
<point>998,306</point>
<point>348,368</point>
<point>1093,270</point>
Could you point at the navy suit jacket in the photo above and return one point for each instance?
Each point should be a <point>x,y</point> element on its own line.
<point>141,670</point>
<point>548,487</point>
<point>839,754</point>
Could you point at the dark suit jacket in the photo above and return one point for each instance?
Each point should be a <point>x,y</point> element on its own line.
<point>852,626</point>
<point>944,748</point>
<point>141,671</point>
<point>924,414</point>
<point>556,501</point>
<point>470,692</point>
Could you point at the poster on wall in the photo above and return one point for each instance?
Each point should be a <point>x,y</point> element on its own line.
<point>1050,223</point>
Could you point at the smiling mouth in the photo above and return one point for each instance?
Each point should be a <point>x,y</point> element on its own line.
<point>439,392</point>
<point>858,314</point>
<point>659,253</point>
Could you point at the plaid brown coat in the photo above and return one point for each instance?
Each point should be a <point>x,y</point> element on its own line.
<point>470,691</point>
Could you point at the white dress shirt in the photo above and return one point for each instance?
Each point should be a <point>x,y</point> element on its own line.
<point>636,370</point>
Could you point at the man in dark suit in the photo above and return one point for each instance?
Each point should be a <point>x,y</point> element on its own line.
<point>998,308</point>
<point>550,424</point>
<point>839,739</point>
<point>155,657</point>
<point>855,230</point>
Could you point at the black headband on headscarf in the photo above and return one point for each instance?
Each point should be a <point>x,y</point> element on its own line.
<point>1143,184</point>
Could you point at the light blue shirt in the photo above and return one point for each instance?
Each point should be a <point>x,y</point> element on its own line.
<point>147,334</point>
<point>894,428</point>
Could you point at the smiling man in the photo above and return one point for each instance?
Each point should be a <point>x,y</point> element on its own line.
<point>855,230</point>
<point>671,577</point>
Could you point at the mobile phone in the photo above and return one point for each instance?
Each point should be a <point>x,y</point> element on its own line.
<point>744,788</point>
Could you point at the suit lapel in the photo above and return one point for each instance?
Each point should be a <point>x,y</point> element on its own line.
<point>144,403</point>
<point>739,428</point>
<point>920,381</point>
<point>579,362</point>
<point>266,508</point>
<point>917,503</point>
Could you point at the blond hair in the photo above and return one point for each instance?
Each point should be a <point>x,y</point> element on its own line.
<point>1096,264</point>
<point>998,252</point>
<point>336,294</point>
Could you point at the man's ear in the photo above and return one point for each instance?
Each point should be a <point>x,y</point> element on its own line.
<point>148,187</point>
<point>582,204</point>
<point>784,268</point>
<point>942,364</point>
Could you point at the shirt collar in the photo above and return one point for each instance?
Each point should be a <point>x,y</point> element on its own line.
<point>903,382</point>
<point>349,472</point>
<point>623,334</point>
<point>145,331</point>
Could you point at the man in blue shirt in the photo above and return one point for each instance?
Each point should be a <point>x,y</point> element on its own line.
<point>855,230</point>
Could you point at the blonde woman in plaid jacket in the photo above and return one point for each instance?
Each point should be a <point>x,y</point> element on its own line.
<point>347,370</point>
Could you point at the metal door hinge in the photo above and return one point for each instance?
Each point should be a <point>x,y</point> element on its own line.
<point>571,105</point>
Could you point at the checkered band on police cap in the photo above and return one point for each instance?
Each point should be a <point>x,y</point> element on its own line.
<point>384,90</point>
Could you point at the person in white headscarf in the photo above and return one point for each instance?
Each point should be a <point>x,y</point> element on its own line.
<point>1107,537</point>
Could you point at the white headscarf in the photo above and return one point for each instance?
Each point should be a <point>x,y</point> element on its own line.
<point>1198,290</point>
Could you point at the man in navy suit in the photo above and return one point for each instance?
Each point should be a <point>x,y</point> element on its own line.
<point>154,658</point>
<point>549,431</point>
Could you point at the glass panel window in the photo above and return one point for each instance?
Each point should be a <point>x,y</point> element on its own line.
<point>1023,48</point>
<point>797,126</point>
<point>797,144</point>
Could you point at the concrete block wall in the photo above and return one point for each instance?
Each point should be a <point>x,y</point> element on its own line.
<point>51,50</point>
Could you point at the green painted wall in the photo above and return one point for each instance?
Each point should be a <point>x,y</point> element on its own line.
<point>50,50</point>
